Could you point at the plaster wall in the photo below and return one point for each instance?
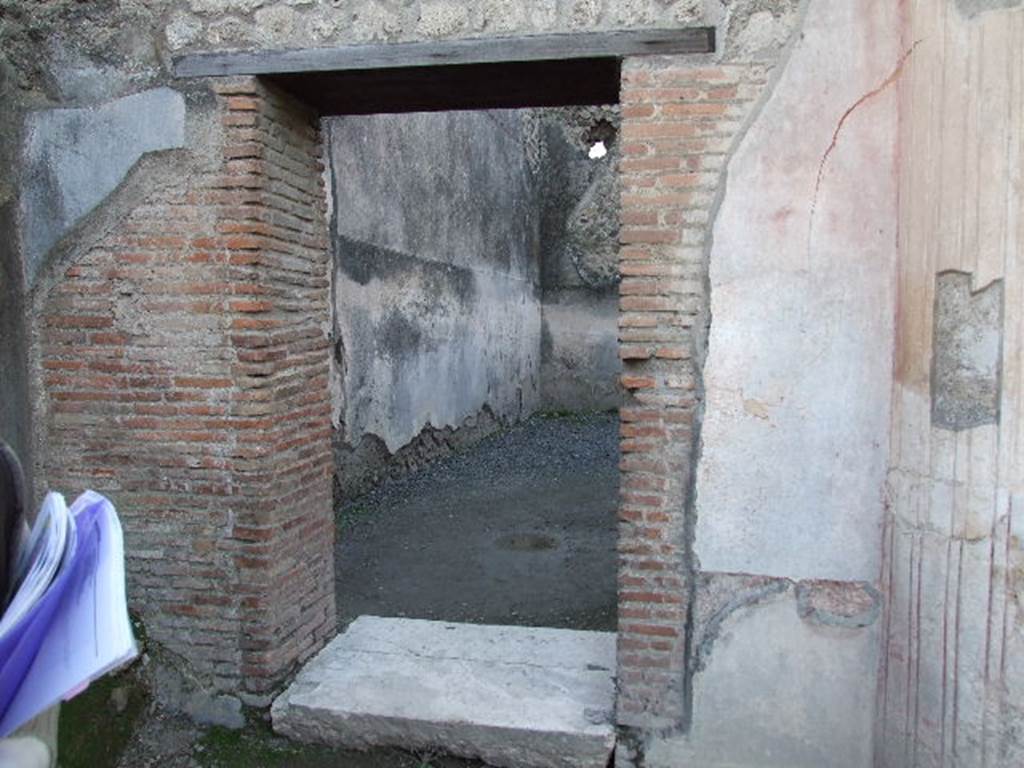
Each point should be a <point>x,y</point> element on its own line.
<point>952,677</point>
<point>579,352</point>
<point>804,698</point>
<point>799,354</point>
<point>436,301</point>
<point>797,373</point>
<point>74,158</point>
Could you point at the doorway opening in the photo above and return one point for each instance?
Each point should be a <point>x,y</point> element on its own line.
<point>475,372</point>
<point>426,315</point>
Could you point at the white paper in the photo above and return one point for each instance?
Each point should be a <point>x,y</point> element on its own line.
<point>50,545</point>
<point>91,633</point>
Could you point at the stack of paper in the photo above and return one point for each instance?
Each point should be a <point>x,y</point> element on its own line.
<point>67,623</point>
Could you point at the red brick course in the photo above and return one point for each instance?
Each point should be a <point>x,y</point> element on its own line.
<point>185,375</point>
<point>678,125</point>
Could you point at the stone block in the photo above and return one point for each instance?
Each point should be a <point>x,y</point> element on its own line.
<point>513,696</point>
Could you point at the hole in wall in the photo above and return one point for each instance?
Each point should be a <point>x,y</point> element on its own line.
<point>601,132</point>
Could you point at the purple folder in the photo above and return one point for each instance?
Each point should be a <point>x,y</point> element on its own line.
<point>54,634</point>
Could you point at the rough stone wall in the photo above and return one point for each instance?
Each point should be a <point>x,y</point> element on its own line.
<point>183,372</point>
<point>579,243</point>
<point>305,23</point>
<point>436,299</point>
<point>952,678</point>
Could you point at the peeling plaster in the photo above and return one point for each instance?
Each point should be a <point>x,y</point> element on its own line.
<point>967,344</point>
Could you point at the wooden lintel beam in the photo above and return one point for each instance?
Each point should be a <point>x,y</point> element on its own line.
<point>555,47</point>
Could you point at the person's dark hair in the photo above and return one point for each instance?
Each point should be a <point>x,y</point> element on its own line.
<point>12,512</point>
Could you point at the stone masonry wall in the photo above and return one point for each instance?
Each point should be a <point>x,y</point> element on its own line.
<point>305,23</point>
<point>184,374</point>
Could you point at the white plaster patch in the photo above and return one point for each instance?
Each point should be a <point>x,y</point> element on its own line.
<point>798,373</point>
<point>803,700</point>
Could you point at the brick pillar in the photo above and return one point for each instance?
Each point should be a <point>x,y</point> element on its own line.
<point>678,125</point>
<point>184,371</point>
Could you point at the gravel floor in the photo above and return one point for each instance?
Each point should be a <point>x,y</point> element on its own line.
<point>519,529</point>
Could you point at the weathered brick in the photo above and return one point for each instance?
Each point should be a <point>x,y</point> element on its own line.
<point>679,123</point>
<point>166,388</point>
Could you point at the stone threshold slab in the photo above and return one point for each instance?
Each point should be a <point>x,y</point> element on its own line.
<point>515,697</point>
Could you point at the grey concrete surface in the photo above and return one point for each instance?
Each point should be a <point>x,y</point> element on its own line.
<point>513,696</point>
<point>436,307</point>
<point>580,364</point>
<point>520,529</point>
<point>74,158</point>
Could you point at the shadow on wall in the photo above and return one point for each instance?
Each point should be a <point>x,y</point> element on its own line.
<point>475,274</point>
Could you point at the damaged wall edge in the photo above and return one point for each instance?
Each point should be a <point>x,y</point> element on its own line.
<point>700,352</point>
<point>967,352</point>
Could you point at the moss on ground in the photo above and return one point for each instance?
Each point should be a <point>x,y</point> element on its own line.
<point>96,725</point>
<point>257,745</point>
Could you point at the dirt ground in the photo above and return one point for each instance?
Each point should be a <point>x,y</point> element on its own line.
<point>173,741</point>
<point>519,529</point>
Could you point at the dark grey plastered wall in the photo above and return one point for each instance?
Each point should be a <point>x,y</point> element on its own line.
<point>475,278</point>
